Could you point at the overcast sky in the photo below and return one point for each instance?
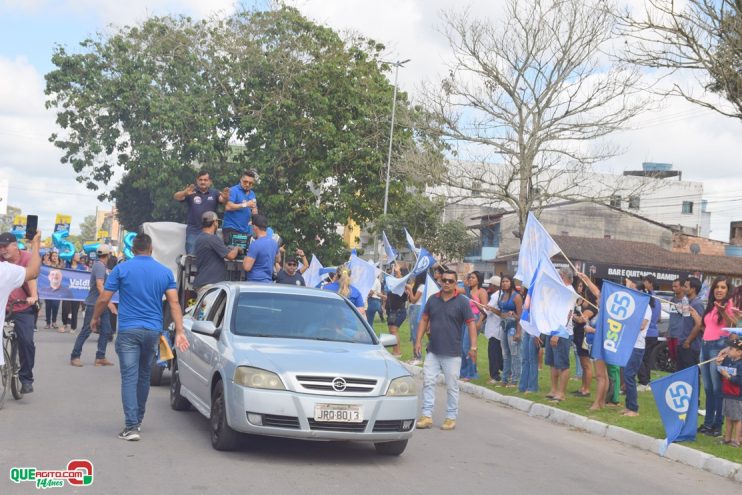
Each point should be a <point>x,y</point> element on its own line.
<point>704,146</point>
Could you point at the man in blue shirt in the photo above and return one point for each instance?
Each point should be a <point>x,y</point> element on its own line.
<point>263,254</point>
<point>240,207</point>
<point>140,282</point>
<point>199,200</point>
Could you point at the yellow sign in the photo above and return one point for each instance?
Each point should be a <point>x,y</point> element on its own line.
<point>65,219</point>
<point>102,234</point>
<point>19,220</point>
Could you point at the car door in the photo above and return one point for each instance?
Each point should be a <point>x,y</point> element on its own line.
<point>205,348</point>
<point>191,365</point>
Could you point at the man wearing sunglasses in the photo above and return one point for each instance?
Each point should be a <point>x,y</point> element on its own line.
<point>290,274</point>
<point>240,207</point>
<point>445,313</point>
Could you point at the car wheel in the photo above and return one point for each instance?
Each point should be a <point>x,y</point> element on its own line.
<point>155,377</point>
<point>660,358</point>
<point>177,401</point>
<point>391,448</point>
<point>222,436</point>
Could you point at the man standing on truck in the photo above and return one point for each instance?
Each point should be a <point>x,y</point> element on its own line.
<point>210,253</point>
<point>141,283</point>
<point>200,198</point>
<point>263,254</point>
<point>240,207</point>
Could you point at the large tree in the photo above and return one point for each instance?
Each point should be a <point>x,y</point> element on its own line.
<point>269,91</point>
<point>702,38</point>
<point>526,101</point>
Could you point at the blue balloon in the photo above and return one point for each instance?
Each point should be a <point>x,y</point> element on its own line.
<point>91,247</point>
<point>128,242</point>
<point>66,248</point>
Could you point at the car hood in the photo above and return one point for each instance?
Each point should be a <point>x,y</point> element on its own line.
<point>289,356</point>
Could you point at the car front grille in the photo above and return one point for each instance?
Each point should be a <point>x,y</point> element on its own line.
<point>328,426</point>
<point>281,421</point>
<point>325,384</point>
<point>381,426</point>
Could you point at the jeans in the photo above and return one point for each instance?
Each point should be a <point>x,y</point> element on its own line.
<point>51,308</point>
<point>511,359</point>
<point>136,352</point>
<point>449,366</point>
<point>23,322</point>
<point>494,356</point>
<point>468,366</point>
<point>629,377</point>
<point>712,383</point>
<point>686,357</point>
<point>413,312</point>
<point>374,306</point>
<point>578,364</point>
<point>104,332</point>
<point>529,355</point>
<point>70,309</point>
<point>190,245</point>
<point>645,371</point>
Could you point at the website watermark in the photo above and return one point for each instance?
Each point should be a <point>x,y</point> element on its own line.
<point>79,472</point>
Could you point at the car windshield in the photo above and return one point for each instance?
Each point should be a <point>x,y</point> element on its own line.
<point>295,316</point>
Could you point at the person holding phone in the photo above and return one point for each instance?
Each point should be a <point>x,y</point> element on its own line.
<point>14,287</point>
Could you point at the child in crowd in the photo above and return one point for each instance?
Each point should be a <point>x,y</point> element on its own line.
<point>730,367</point>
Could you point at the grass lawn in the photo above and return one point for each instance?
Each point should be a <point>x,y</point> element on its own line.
<point>648,422</point>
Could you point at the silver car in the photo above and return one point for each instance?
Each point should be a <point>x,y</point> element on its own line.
<point>291,362</point>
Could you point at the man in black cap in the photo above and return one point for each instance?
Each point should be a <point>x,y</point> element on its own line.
<point>210,253</point>
<point>98,276</point>
<point>290,275</point>
<point>18,273</point>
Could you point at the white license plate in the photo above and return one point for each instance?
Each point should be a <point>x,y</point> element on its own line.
<point>338,413</point>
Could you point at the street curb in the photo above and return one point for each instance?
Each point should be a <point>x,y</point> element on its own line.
<point>675,452</point>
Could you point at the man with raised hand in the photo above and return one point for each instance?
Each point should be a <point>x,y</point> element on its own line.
<point>200,198</point>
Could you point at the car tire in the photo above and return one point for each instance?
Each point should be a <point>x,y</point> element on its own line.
<point>660,359</point>
<point>177,401</point>
<point>222,436</point>
<point>391,448</point>
<point>155,377</point>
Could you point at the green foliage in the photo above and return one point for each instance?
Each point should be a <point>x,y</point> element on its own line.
<point>422,216</point>
<point>88,231</point>
<point>307,110</point>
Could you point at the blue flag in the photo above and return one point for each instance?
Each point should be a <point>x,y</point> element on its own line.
<point>424,261</point>
<point>391,254</point>
<point>619,323</point>
<point>411,242</point>
<point>676,397</point>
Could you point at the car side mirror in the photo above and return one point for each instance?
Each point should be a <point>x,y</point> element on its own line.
<point>205,328</point>
<point>387,340</point>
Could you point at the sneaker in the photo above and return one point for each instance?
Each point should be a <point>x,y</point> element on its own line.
<point>643,388</point>
<point>26,388</point>
<point>703,429</point>
<point>415,362</point>
<point>76,362</point>
<point>448,424</point>
<point>130,434</point>
<point>715,432</point>
<point>103,362</point>
<point>424,422</point>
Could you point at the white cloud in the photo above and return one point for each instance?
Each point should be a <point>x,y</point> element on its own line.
<point>38,182</point>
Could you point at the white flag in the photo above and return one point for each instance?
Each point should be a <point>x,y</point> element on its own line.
<point>549,302</point>
<point>535,245</point>
<point>362,275</point>
<point>312,276</point>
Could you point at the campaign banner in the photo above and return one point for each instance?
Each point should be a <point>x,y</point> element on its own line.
<point>619,323</point>
<point>676,397</point>
<point>61,284</point>
<point>62,222</point>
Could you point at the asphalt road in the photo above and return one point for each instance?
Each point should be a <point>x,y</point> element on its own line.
<point>76,413</point>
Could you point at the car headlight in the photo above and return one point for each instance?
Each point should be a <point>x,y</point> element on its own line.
<point>257,378</point>
<point>404,386</point>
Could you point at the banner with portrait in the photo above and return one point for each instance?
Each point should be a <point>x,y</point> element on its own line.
<point>61,284</point>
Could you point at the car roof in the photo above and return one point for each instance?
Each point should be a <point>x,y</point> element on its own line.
<point>263,288</point>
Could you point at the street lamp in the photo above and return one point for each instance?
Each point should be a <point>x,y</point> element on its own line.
<point>396,65</point>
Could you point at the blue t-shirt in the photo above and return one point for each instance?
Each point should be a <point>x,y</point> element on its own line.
<point>99,272</point>
<point>198,204</point>
<point>652,330</point>
<point>141,283</point>
<point>354,296</point>
<point>239,219</point>
<point>675,325</point>
<point>263,250</point>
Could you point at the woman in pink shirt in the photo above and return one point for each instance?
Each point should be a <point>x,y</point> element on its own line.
<point>719,314</point>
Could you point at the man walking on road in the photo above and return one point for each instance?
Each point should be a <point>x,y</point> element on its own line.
<point>24,313</point>
<point>98,276</point>
<point>446,312</point>
<point>140,282</point>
